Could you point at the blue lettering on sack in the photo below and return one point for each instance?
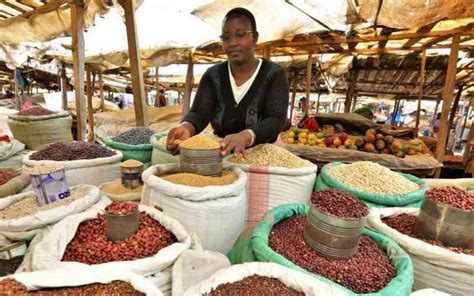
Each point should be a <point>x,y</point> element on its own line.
<point>65,194</point>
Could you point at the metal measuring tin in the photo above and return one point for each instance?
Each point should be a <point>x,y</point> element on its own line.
<point>50,187</point>
<point>131,173</point>
<point>331,236</point>
<point>452,226</point>
<point>206,162</point>
<point>120,227</point>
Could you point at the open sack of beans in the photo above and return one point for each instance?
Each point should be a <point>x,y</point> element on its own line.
<point>275,177</point>
<point>212,207</point>
<point>134,144</point>
<point>78,281</point>
<point>160,154</point>
<point>21,212</point>
<point>83,238</point>
<point>379,266</point>
<point>375,185</point>
<point>10,148</point>
<point>262,279</point>
<point>447,269</point>
<point>12,182</point>
<point>465,183</point>
<point>85,163</point>
<point>37,127</point>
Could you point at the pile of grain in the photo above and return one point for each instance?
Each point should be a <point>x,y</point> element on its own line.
<point>199,142</point>
<point>194,180</point>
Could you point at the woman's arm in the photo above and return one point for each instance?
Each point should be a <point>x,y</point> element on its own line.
<point>275,109</point>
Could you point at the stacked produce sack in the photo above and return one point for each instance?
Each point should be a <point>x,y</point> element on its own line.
<point>372,183</point>
<point>135,144</point>
<point>212,207</point>
<point>160,154</point>
<point>437,265</point>
<point>79,281</point>
<point>9,147</point>
<point>12,182</point>
<point>37,127</point>
<point>262,279</point>
<point>379,266</point>
<point>24,217</point>
<point>83,239</point>
<point>85,163</point>
<point>275,177</point>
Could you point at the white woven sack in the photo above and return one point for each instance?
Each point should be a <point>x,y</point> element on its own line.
<point>163,280</point>
<point>460,182</point>
<point>47,217</point>
<point>196,265</point>
<point>82,275</point>
<point>85,171</point>
<point>270,187</point>
<point>49,252</point>
<point>215,213</point>
<point>291,278</point>
<point>435,267</point>
<point>429,292</point>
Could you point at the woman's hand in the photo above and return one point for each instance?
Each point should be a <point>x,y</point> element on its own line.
<point>178,134</point>
<point>236,142</point>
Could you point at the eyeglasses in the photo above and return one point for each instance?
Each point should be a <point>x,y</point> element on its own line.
<point>239,35</point>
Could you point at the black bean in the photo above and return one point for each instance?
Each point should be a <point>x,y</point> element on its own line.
<point>64,151</point>
<point>135,136</point>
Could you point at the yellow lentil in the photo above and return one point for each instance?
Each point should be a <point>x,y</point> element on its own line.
<point>199,142</point>
<point>116,187</point>
<point>195,180</point>
<point>270,155</point>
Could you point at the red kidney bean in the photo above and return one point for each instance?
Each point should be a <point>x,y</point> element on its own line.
<point>35,111</point>
<point>339,203</point>
<point>91,246</point>
<point>9,286</point>
<point>6,175</point>
<point>369,270</point>
<point>121,208</point>
<point>254,285</point>
<point>63,151</point>
<point>405,224</point>
<point>453,196</point>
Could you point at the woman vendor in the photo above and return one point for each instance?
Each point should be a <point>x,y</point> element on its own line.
<point>245,98</point>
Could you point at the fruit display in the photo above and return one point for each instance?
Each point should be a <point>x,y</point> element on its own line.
<point>371,142</point>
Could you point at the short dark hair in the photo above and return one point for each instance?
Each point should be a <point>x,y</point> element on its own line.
<point>240,12</point>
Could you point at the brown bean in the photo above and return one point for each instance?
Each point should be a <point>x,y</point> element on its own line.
<point>330,201</point>
<point>369,270</point>
<point>254,285</point>
<point>91,246</point>
<point>453,196</point>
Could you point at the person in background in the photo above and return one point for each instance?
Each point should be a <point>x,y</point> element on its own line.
<point>160,100</point>
<point>245,98</point>
<point>8,95</point>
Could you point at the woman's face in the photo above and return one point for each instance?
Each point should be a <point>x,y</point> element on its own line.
<point>238,40</point>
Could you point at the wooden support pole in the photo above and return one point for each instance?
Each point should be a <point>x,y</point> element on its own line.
<point>157,86</point>
<point>293,95</point>
<point>309,73</point>
<point>138,86</point>
<point>17,90</point>
<point>420,91</point>
<point>101,93</point>
<point>267,52</point>
<point>395,112</point>
<point>77,28</point>
<point>64,86</point>
<point>317,103</point>
<point>447,99</point>
<point>90,106</point>
<point>188,87</point>
<point>435,112</point>
<point>466,115</point>
<point>354,101</point>
<point>467,149</point>
<point>454,110</point>
<point>351,89</point>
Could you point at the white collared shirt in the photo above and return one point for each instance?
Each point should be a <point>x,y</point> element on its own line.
<point>240,91</point>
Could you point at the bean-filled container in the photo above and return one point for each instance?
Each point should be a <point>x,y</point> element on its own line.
<point>49,183</point>
<point>131,173</point>
<point>447,215</point>
<point>335,223</point>
<point>122,220</point>
<point>200,155</point>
